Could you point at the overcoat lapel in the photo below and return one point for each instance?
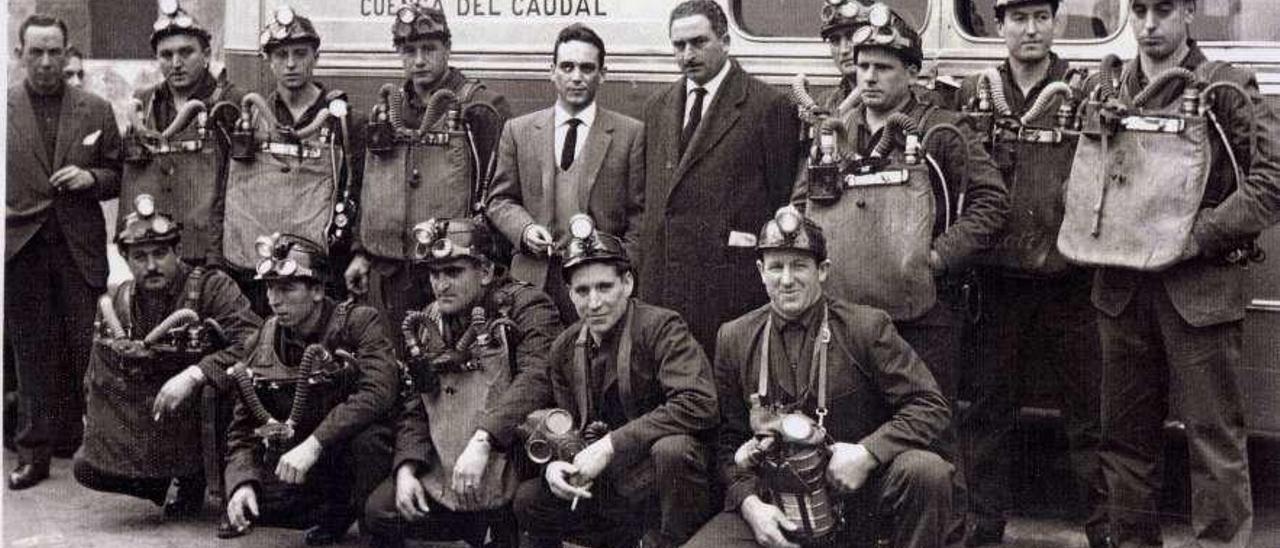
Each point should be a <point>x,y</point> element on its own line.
<point>22,119</point>
<point>722,115</point>
<point>69,126</point>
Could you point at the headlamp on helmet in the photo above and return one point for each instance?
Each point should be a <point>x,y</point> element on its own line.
<point>283,257</point>
<point>416,21</point>
<point>287,25</point>
<point>789,229</point>
<point>587,244</point>
<point>439,240</point>
<point>145,225</point>
<point>874,25</point>
<point>175,20</point>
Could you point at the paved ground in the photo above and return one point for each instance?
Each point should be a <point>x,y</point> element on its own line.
<point>61,514</point>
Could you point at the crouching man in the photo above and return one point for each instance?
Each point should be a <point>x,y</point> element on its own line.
<point>636,377</point>
<point>462,352</point>
<point>161,337</point>
<point>827,415</point>
<point>307,440</point>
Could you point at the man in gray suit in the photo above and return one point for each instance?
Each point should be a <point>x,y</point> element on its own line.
<point>595,165</point>
<point>720,159</point>
<point>63,158</point>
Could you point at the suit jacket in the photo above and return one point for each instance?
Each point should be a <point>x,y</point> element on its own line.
<point>523,182</point>
<point>670,389</point>
<point>737,171</point>
<point>1205,290</point>
<point>87,137</point>
<point>880,393</point>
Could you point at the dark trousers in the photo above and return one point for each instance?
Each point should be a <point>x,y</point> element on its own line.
<point>152,489</point>
<point>395,289</point>
<point>1155,365</point>
<point>557,288</point>
<point>49,312</point>
<point>909,501</point>
<point>666,513</point>
<point>388,529</point>
<point>335,488</point>
<point>938,338</point>
<point>1028,321</point>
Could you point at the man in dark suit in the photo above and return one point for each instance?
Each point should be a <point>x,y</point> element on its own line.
<point>63,158</point>
<point>635,376</point>
<point>714,174</point>
<point>1171,340</point>
<point>535,194</point>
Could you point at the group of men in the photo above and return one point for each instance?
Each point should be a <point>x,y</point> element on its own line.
<point>576,325</point>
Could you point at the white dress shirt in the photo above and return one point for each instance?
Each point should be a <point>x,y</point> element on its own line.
<point>712,87</point>
<point>562,116</point>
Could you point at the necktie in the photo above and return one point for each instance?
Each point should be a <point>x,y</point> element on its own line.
<point>570,143</point>
<point>695,117</point>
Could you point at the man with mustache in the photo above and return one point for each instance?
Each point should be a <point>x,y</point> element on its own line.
<point>1171,340</point>
<point>182,51</point>
<point>62,158</point>
<point>1028,315</point>
<point>879,56</point>
<point>308,460</point>
<point>720,157</point>
<point>449,481</point>
<point>640,391</point>
<point>408,177</point>
<point>142,421</point>
<point>596,166</point>
<point>844,366</point>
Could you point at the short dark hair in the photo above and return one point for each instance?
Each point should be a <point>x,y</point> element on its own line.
<point>200,34</point>
<point>73,51</point>
<point>39,20</point>
<point>578,32</point>
<point>1000,10</point>
<point>620,267</point>
<point>705,8</point>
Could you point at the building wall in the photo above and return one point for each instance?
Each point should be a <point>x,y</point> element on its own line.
<point>114,36</point>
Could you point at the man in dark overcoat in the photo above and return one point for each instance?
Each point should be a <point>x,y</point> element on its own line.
<point>713,175</point>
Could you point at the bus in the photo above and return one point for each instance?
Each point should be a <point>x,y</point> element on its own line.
<point>507,44</point>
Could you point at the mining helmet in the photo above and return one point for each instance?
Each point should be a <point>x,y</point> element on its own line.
<point>287,27</point>
<point>440,240</point>
<point>145,225</point>
<point>998,6</point>
<point>588,245</point>
<point>873,25</point>
<point>174,20</point>
<point>416,21</point>
<point>789,229</point>
<point>289,256</point>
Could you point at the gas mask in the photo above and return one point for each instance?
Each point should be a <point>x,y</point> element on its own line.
<point>790,454</point>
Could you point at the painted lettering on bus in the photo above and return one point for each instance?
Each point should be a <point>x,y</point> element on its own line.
<point>493,8</point>
<point>557,7</point>
<point>389,7</point>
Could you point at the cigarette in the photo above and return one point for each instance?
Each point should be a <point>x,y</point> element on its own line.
<point>573,506</point>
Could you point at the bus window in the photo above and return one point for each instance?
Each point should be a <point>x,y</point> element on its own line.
<point>1237,21</point>
<point>800,18</point>
<point>1077,19</point>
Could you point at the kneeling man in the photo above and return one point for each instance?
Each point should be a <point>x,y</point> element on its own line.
<point>827,415</point>
<point>637,377</point>
<point>162,336</point>
<point>462,352</point>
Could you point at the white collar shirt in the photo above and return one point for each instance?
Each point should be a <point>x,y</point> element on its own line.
<point>562,117</point>
<point>712,87</point>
